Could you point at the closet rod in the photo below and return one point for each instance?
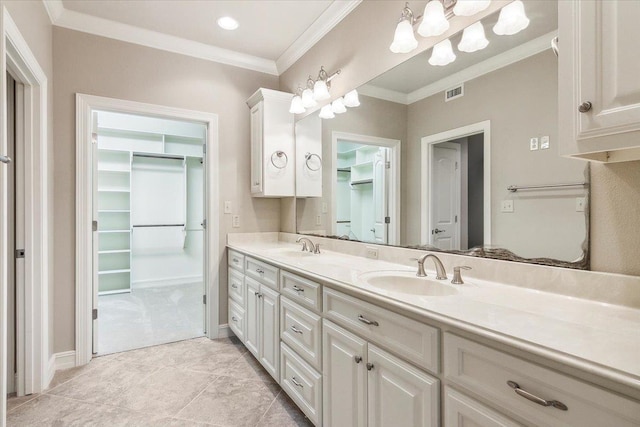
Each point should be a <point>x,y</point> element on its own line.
<point>159,156</point>
<point>158,225</point>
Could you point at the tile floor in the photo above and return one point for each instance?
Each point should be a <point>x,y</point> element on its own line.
<point>149,316</point>
<point>198,382</point>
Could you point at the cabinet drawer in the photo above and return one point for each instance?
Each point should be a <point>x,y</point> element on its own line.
<point>485,371</point>
<point>236,319</point>
<point>236,286</point>
<point>462,411</point>
<point>300,290</point>
<point>262,272</point>
<point>414,341</point>
<point>235,260</point>
<point>302,331</point>
<point>302,383</point>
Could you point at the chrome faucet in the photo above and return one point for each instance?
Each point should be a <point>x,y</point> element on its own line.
<point>307,245</point>
<point>441,273</point>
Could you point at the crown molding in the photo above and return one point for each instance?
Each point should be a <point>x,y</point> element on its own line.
<point>335,13</point>
<point>487,66</point>
<point>55,9</point>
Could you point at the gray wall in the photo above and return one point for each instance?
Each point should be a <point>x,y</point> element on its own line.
<point>95,65</point>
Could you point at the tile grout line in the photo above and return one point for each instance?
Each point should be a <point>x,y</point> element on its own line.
<point>192,400</point>
<point>265,412</point>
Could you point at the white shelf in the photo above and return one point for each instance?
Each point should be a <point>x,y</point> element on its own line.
<point>114,211</point>
<point>113,190</point>
<point>115,251</point>
<point>117,291</point>
<point>114,170</point>
<point>106,272</point>
<point>114,231</point>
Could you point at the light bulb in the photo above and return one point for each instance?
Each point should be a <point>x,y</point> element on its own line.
<point>434,22</point>
<point>338,107</point>
<point>320,91</point>
<point>296,105</point>
<point>351,99</point>
<point>307,99</point>
<point>512,19</point>
<point>473,38</point>
<point>326,112</point>
<point>404,40</point>
<point>470,7</point>
<point>442,54</point>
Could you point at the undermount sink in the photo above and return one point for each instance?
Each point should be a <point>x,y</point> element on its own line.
<point>294,253</point>
<point>407,283</point>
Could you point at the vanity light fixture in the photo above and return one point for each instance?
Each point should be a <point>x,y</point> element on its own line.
<point>228,23</point>
<point>307,95</point>
<point>327,112</point>
<point>512,19</point>
<point>323,84</point>
<point>404,40</point>
<point>296,103</point>
<point>434,22</point>
<point>338,107</point>
<point>470,7</point>
<point>442,54</point>
<point>351,99</point>
<point>473,38</point>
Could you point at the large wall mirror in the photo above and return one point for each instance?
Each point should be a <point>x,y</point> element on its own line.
<point>461,157</point>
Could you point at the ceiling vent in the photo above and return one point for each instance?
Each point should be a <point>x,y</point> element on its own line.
<point>454,92</point>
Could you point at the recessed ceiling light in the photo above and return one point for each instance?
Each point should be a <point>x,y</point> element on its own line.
<point>228,23</point>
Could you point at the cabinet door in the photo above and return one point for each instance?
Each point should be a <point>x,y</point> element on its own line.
<point>270,331</point>
<point>252,316</point>
<point>344,377</point>
<point>256,147</point>
<point>462,411</point>
<point>399,394</point>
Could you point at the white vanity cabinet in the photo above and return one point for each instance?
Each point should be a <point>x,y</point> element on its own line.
<point>262,337</point>
<point>237,294</point>
<point>272,144</point>
<point>599,91</point>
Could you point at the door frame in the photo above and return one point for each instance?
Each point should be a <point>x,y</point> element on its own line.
<point>34,365</point>
<point>458,188</point>
<point>85,104</point>
<point>394,177</point>
<point>426,154</point>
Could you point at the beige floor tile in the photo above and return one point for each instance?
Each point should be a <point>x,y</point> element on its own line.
<point>232,402</point>
<point>247,367</point>
<point>165,392</point>
<point>15,402</point>
<point>284,413</point>
<point>64,375</point>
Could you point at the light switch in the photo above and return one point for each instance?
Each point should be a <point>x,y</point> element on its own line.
<point>507,206</point>
<point>533,144</point>
<point>227,207</point>
<point>324,207</point>
<point>318,219</point>
<point>544,142</point>
<point>580,204</point>
<point>235,221</point>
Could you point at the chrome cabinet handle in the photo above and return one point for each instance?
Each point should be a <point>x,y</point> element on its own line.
<point>234,318</point>
<point>234,286</point>
<point>532,397</point>
<point>437,231</point>
<point>367,321</point>
<point>5,159</point>
<point>295,382</point>
<point>296,330</point>
<point>236,260</point>
<point>259,271</point>
<point>369,366</point>
<point>297,289</point>
<point>258,294</point>
<point>585,106</point>
<point>358,359</point>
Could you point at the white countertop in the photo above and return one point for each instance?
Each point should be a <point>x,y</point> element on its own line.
<point>599,338</point>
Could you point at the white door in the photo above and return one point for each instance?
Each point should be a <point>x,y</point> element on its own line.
<point>269,330</point>
<point>400,395</point>
<point>256,148</point>
<point>96,242</point>
<point>344,374</point>
<point>252,316</point>
<point>380,197</point>
<point>12,261</point>
<point>444,196</point>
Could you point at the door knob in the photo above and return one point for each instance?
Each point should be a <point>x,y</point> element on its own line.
<point>5,159</point>
<point>585,106</point>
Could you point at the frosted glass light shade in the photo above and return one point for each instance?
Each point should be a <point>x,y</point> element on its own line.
<point>442,54</point>
<point>296,105</point>
<point>320,91</point>
<point>338,107</point>
<point>470,7</point>
<point>307,99</point>
<point>326,112</point>
<point>512,19</point>
<point>351,99</point>
<point>404,40</point>
<point>434,22</point>
<point>473,38</point>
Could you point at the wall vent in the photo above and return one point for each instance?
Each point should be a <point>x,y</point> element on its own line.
<point>454,92</point>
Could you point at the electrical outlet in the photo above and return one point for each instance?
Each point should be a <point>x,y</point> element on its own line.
<point>227,207</point>
<point>544,142</point>
<point>235,221</point>
<point>580,204</point>
<point>318,219</point>
<point>371,252</point>
<point>324,207</point>
<point>507,206</point>
<point>533,144</point>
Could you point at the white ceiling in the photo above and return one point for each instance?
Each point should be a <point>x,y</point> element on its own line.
<point>272,34</point>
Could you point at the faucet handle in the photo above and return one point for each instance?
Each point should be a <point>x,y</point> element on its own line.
<point>304,246</point>
<point>457,277</point>
<point>317,249</point>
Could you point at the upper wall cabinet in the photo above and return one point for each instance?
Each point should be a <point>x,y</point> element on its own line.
<point>599,86</point>
<point>272,144</point>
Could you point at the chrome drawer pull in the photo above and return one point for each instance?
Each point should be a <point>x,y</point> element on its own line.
<point>367,321</point>
<point>297,289</point>
<point>295,382</point>
<point>234,318</point>
<point>532,397</point>
<point>296,330</point>
<point>358,359</point>
<point>236,260</point>
<point>259,271</point>
<point>234,286</point>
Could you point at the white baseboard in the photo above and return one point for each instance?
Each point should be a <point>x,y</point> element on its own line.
<point>224,331</point>
<point>156,283</point>
<point>65,360</point>
<point>51,371</point>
